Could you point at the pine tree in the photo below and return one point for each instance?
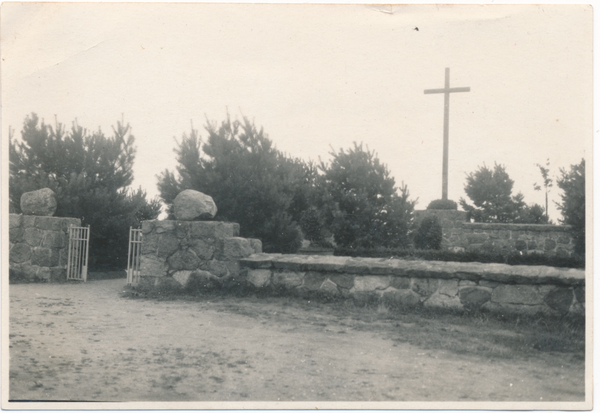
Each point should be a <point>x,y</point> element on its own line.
<point>90,175</point>
<point>251,182</point>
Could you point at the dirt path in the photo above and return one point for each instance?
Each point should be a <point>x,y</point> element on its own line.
<point>86,342</point>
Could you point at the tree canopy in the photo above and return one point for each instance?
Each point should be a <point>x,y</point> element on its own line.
<point>361,203</point>
<point>90,175</point>
<point>572,205</point>
<point>251,182</point>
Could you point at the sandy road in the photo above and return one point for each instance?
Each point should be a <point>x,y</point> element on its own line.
<point>86,342</point>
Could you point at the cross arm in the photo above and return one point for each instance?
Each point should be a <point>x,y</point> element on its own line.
<point>449,90</point>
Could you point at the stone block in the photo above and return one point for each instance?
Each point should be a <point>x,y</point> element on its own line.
<point>560,299</point>
<point>234,248</point>
<point>549,244</point>
<point>49,223</point>
<point>466,283</point>
<point>44,257</point>
<point>29,271</point>
<point>15,235</point>
<point>216,267</point>
<point>33,237</point>
<point>448,287</point>
<point>562,252</point>
<point>364,297</point>
<point>580,294</point>
<point>150,243</point>
<point>489,284</point>
<point>54,239</point>
<point>287,279</point>
<point>259,278</point>
<point>58,274</point>
<point>160,227</point>
<point>473,298</point>
<point>443,301</point>
<point>44,274</point>
<point>236,232</point>
<point>203,280</point>
<point>147,227</point>
<point>183,260</point>
<point>14,220</point>
<point>400,283</point>
<point>521,245</point>
<point>168,244</point>
<point>212,229</point>
<point>329,289</point>
<point>515,309</point>
<point>182,229</point>
<point>182,277</point>
<point>204,248</point>
<point>29,221</point>
<point>65,223</point>
<point>517,294</point>
<point>342,280</point>
<point>255,243</point>
<point>424,286</point>
<point>152,266</point>
<point>313,280</point>
<point>532,245</point>
<point>401,298</point>
<point>371,283</point>
<point>477,238</point>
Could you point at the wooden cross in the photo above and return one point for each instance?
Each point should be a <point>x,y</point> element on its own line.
<point>446,91</point>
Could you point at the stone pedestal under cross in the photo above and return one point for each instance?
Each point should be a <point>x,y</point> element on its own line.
<point>446,91</point>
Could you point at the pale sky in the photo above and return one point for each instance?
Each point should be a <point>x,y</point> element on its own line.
<point>316,76</point>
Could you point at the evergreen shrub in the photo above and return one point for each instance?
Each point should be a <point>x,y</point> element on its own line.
<point>443,204</point>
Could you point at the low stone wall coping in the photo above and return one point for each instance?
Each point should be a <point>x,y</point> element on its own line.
<point>474,271</point>
<point>517,227</point>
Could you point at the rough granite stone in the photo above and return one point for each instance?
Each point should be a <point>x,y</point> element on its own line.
<point>189,205</point>
<point>183,260</point>
<point>560,299</point>
<point>44,257</point>
<point>329,288</point>
<point>14,221</point>
<point>152,266</point>
<point>203,280</point>
<point>313,280</point>
<point>518,294</point>
<point>400,283</point>
<point>41,202</point>
<point>443,301</point>
<point>474,297</point>
<point>168,244</point>
<point>259,278</point>
<point>342,280</point>
<point>425,286</point>
<point>448,287</point>
<point>255,243</point>
<point>49,223</point>
<point>287,279</point>
<point>234,248</point>
<point>20,253</point>
<point>204,249</point>
<point>54,239</point>
<point>182,277</point>
<point>400,298</point>
<point>371,283</point>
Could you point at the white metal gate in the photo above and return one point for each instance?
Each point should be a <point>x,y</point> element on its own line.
<point>133,256</point>
<point>77,258</point>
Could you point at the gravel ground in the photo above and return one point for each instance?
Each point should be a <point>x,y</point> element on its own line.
<point>89,342</point>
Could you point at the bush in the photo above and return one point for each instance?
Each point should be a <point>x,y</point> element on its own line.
<point>442,204</point>
<point>429,235</point>
<point>511,258</point>
<point>572,205</point>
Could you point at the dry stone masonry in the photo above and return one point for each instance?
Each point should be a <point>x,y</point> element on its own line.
<point>459,235</point>
<point>178,254</point>
<point>497,288</point>
<point>39,247</point>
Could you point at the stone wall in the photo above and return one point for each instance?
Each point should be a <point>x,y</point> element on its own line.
<point>459,235</point>
<point>496,288</point>
<point>177,253</point>
<point>39,247</point>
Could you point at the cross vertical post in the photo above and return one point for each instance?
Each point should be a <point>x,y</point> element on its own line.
<point>446,91</point>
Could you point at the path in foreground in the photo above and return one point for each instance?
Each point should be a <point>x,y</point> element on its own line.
<point>86,342</point>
